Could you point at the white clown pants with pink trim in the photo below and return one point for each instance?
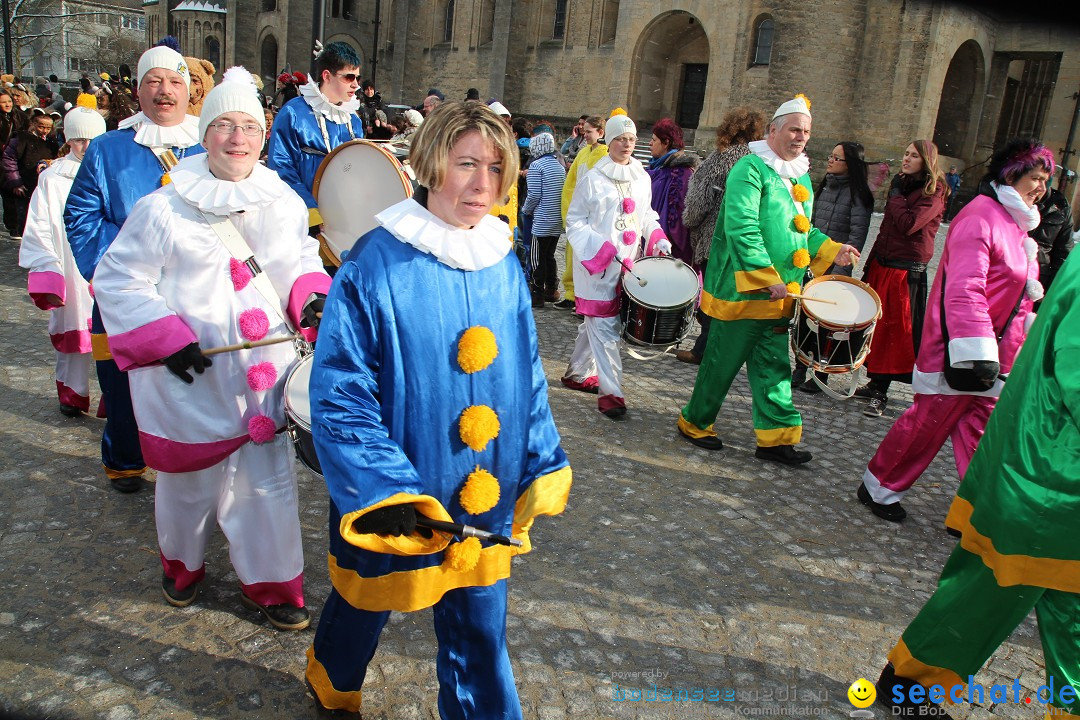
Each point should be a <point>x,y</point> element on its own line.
<point>918,434</point>
<point>73,379</point>
<point>596,352</point>
<point>252,495</point>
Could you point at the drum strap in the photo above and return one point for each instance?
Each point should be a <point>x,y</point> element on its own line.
<point>236,245</point>
<point>326,136</point>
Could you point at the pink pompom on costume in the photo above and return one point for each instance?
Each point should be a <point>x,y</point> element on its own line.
<point>261,377</point>
<point>254,324</point>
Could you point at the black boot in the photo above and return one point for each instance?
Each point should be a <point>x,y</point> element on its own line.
<point>889,685</point>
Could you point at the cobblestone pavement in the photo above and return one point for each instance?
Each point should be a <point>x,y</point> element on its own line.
<point>672,565</point>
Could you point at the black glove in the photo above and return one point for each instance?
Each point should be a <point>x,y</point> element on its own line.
<point>312,311</point>
<point>986,370</point>
<point>189,357</point>
<point>390,520</point>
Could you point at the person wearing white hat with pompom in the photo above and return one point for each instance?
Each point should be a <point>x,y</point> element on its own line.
<point>763,244</point>
<point>219,257</point>
<point>54,282</point>
<point>119,168</point>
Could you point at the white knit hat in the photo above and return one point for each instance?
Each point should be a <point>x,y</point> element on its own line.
<point>618,125</point>
<point>797,104</point>
<point>235,93</point>
<point>165,58</point>
<point>499,109</point>
<point>413,117</point>
<point>541,144</point>
<point>82,123</point>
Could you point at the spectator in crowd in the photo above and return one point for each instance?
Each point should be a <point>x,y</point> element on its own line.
<point>587,157</point>
<point>576,141</point>
<point>670,169</point>
<point>28,153</point>
<point>472,94</point>
<point>543,206</point>
<point>12,121</point>
<point>952,179</point>
<point>1054,235</point>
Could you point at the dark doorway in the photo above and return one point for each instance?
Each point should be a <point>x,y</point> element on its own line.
<point>692,99</point>
<point>1026,96</point>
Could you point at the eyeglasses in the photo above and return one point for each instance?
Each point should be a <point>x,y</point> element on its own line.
<point>227,128</point>
<point>347,77</point>
<point>836,158</point>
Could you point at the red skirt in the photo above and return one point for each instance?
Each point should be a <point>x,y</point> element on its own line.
<point>892,351</point>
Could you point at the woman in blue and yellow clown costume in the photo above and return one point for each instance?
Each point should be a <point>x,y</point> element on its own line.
<point>428,397</point>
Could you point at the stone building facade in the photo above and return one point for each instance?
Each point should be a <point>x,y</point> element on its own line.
<point>883,72</point>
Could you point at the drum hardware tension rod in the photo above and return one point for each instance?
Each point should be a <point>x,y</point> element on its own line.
<point>466,531</point>
<point>641,281</point>
<point>813,299</point>
<point>248,344</point>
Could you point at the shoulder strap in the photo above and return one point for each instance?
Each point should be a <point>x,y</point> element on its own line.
<point>236,245</point>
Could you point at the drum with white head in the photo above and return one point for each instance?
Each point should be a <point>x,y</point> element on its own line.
<point>298,412</point>
<point>658,313</point>
<point>834,324</point>
<point>355,182</point>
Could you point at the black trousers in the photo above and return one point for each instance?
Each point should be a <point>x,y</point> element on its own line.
<point>545,277</point>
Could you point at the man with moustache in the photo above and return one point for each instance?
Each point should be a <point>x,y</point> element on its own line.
<point>761,248</point>
<point>119,168</point>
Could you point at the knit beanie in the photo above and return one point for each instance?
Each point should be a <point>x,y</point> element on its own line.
<point>618,124</point>
<point>798,104</point>
<point>236,93</point>
<point>413,117</point>
<point>541,144</point>
<point>82,123</point>
<point>165,58</point>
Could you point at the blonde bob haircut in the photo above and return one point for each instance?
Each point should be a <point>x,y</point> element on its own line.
<point>429,153</point>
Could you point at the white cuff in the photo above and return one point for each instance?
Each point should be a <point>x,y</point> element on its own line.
<point>962,351</point>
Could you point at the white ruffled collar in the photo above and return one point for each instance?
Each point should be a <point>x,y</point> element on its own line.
<point>340,114</point>
<point>66,166</point>
<point>477,248</point>
<point>621,173</point>
<point>149,134</point>
<point>1027,218</point>
<point>787,169</point>
<point>198,187</point>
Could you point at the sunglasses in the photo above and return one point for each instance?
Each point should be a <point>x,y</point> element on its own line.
<point>347,77</point>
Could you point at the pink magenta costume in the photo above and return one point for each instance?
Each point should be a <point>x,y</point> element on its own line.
<point>167,281</point>
<point>988,262</point>
<point>46,254</point>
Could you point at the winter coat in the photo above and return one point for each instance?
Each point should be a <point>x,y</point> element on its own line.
<point>11,123</point>
<point>670,180</point>
<point>21,158</point>
<point>836,215</point>
<point>543,201</point>
<point>1054,235</point>
<point>910,223</point>
<point>704,196</point>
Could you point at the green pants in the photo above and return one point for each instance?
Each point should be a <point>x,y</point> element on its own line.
<point>762,345</point>
<point>970,615</point>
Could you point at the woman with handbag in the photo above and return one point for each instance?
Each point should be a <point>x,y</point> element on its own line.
<point>977,317</point>
<point>896,269</point>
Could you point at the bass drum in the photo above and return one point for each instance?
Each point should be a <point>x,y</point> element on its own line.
<point>354,183</point>
<point>298,413</point>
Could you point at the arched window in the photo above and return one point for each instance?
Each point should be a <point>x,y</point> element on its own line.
<point>763,41</point>
<point>487,21</point>
<point>558,30</point>
<point>213,51</point>
<point>269,5</point>
<point>609,21</point>
<point>335,8</point>
<point>268,66</point>
<point>448,22</point>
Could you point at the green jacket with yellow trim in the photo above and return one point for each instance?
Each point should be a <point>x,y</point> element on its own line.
<point>755,242</point>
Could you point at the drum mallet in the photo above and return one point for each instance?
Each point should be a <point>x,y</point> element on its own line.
<point>465,531</point>
<point>812,299</point>
<point>248,344</point>
<point>640,280</point>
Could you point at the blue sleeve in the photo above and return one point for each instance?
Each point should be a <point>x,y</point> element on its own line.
<point>89,225</point>
<point>283,154</point>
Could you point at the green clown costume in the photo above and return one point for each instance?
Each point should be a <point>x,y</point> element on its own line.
<point>763,237</point>
<point>1018,509</point>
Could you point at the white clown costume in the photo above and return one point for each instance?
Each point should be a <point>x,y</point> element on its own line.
<point>610,215</point>
<point>167,281</point>
<point>46,254</point>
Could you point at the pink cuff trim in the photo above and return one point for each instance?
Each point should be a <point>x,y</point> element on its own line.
<point>179,574</point>
<point>70,397</point>
<point>39,284</point>
<point>608,402</point>
<point>601,260</point>
<point>598,308</point>
<point>176,457</point>
<point>72,341</point>
<point>315,282</point>
<point>149,343</point>
<point>657,236</point>
<point>277,593</point>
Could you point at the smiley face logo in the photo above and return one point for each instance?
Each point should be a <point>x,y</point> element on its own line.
<point>862,693</point>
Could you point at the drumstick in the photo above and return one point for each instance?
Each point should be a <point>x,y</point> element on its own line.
<point>248,344</point>
<point>815,299</point>
<point>641,281</point>
<point>466,531</point>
